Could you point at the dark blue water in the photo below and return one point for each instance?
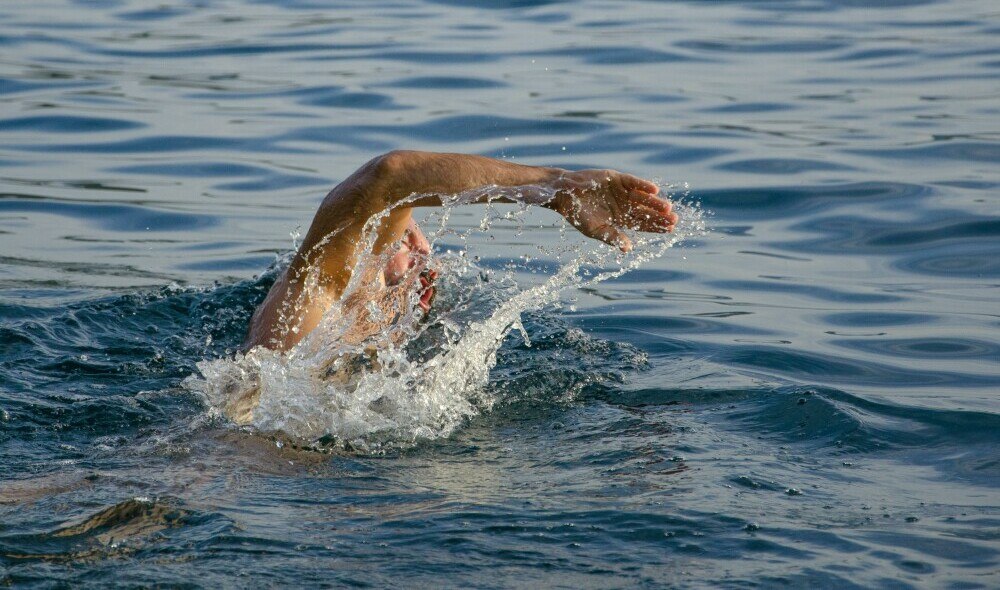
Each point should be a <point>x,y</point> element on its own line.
<point>805,397</point>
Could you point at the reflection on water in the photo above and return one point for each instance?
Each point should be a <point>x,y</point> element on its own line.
<point>804,397</point>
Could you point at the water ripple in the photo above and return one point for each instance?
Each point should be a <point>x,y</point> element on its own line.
<point>123,218</point>
<point>67,124</point>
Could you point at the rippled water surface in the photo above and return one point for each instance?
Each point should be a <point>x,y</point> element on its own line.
<point>806,396</point>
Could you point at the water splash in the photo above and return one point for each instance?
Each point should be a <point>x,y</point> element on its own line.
<point>415,377</point>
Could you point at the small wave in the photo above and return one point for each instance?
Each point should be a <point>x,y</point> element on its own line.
<point>104,369</point>
<point>118,530</point>
<point>826,420</point>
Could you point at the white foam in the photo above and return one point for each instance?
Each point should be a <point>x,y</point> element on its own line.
<point>394,398</point>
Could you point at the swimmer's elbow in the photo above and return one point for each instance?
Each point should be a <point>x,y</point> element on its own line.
<point>377,179</point>
<point>392,164</point>
<point>395,175</point>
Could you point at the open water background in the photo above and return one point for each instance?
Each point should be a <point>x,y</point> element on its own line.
<point>805,397</point>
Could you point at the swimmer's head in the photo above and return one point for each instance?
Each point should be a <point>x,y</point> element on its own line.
<point>411,260</point>
<point>426,290</point>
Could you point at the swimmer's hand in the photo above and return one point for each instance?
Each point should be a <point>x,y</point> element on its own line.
<point>601,203</point>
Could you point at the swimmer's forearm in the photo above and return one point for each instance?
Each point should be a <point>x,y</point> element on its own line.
<point>427,178</point>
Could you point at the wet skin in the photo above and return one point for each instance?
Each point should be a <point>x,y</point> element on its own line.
<point>599,203</point>
<point>413,257</point>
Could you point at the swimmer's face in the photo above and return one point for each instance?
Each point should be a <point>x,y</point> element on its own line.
<point>412,260</point>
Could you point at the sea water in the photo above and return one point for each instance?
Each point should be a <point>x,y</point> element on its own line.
<point>802,396</point>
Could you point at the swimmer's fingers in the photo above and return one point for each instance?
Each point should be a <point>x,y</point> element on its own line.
<point>636,184</point>
<point>647,212</point>
<point>611,235</point>
<point>642,219</point>
<point>647,219</point>
<point>649,200</point>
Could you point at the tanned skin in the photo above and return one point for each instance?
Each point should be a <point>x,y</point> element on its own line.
<point>599,203</point>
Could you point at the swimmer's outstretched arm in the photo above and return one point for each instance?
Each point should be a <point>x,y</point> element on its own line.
<point>599,203</point>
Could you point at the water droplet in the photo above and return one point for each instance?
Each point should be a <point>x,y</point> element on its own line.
<point>304,396</point>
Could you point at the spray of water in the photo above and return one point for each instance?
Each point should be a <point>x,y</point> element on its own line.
<point>377,373</point>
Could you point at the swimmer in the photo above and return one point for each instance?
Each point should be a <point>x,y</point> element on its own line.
<point>598,203</point>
